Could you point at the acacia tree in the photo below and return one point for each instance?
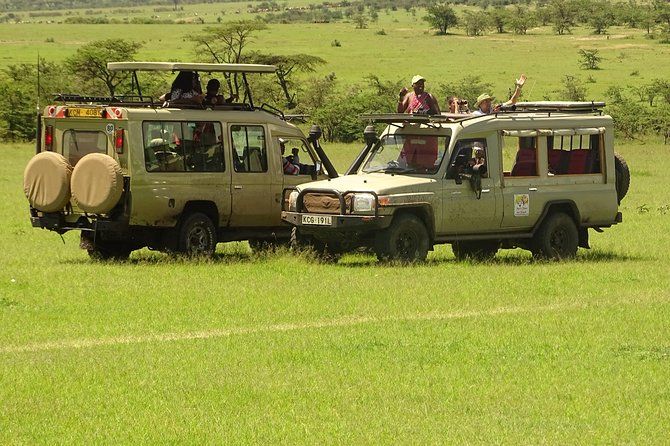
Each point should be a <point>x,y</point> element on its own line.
<point>89,63</point>
<point>287,66</point>
<point>499,17</point>
<point>521,19</point>
<point>475,23</point>
<point>226,44</point>
<point>563,15</point>
<point>441,16</point>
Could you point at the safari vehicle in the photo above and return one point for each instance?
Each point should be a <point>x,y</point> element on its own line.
<point>537,177</point>
<point>129,172</point>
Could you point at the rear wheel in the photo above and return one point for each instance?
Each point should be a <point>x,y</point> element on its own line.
<point>480,250</point>
<point>108,251</point>
<point>622,178</point>
<point>197,236</point>
<point>405,240</point>
<point>557,238</point>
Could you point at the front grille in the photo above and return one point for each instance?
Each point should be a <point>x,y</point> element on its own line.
<point>324,203</point>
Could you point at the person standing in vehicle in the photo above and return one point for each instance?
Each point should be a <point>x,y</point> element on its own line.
<point>418,100</point>
<point>185,88</point>
<point>485,105</point>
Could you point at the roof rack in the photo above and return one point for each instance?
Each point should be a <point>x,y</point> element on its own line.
<point>107,100</point>
<point>413,118</point>
<point>555,106</point>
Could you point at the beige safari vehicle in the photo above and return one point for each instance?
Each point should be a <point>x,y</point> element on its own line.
<point>129,172</point>
<point>537,177</point>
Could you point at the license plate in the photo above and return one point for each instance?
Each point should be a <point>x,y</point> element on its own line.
<point>319,220</point>
<point>84,112</point>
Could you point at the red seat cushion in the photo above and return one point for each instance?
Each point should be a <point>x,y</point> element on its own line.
<point>577,163</point>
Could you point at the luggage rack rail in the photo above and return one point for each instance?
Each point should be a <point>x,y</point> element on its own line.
<point>519,108</point>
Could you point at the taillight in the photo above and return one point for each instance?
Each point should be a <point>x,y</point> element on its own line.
<point>49,138</point>
<point>118,141</point>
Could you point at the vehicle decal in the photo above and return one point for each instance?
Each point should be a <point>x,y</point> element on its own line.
<point>521,205</point>
<point>109,128</point>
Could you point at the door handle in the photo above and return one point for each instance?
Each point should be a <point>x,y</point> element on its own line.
<point>456,192</point>
<point>237,187</point>
<point>486,191</point>
<point>532,189</point>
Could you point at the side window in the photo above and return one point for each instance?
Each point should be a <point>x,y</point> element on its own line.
<point>574,154</point>
<point>203,146</point>
<point>163,149</point>
<point>249,148</point>
<point>468,155</point>
<point>519,155</point>
<point>297,159</point>
<point>77,144</point>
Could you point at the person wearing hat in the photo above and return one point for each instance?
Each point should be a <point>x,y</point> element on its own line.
<point>418,100</point>
<point>484,104</point>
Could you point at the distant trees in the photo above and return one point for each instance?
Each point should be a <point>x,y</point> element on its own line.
<point>563,15</point>
<point>89,62</point>
<point>521,19</point>
<point>441,16</point>
<point>475,23</point>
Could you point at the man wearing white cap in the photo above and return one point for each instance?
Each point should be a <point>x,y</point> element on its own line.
<point>417,101</point>
<point>484,104</point>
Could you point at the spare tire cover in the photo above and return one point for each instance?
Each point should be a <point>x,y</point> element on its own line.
<point>46,181</point>
<point>97,183</point>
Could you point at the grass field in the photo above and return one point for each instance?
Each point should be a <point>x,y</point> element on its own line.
<point>277,348</point>
<point>281,349</point>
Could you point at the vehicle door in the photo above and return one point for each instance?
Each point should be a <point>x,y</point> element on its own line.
<point>464,211</point>
<point>183,161</point>
<point>252,184</point>
<point>521,170</point>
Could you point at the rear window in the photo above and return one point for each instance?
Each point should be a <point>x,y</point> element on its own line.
<point>78,143</point>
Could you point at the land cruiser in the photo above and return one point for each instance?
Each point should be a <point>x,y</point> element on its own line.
<point>537,176</point>
<point>129,172</point>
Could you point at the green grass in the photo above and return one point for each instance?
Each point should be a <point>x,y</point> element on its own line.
<point>282,349</point>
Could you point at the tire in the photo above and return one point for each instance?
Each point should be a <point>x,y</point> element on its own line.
<point>556,239</point>
<point>406,240</point>
<point>105,252</point>
<point>622,176</point>
<point>475,250</point>
<point>197,236</point>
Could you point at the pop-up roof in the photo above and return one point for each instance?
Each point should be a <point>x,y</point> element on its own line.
<point>179,66</point>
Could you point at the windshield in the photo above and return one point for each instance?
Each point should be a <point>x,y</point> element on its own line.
<point>407,154</point>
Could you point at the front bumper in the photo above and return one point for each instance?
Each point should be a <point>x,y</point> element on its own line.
<point>340,222</point>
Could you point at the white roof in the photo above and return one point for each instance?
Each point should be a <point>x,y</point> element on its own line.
<point>178,66</point>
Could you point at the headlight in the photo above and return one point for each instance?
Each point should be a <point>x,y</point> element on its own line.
<point>364,203</point>
<point>293,201</point>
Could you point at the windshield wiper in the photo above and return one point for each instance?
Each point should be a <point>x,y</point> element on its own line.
<point>392,169</point>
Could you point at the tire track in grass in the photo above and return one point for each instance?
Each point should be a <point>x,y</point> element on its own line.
<point>348,321</point>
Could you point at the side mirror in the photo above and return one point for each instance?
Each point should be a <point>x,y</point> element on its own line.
<point>370,135</point>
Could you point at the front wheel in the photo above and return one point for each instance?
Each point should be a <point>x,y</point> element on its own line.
<point>197,236</point>
<point>406,240</point>
<point>556,239</point>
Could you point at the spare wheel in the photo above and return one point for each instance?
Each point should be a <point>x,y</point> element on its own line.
<point>97,183</point>
<point>46,181</point>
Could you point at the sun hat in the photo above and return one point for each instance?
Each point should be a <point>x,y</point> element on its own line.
<point>483,97</point>
<point>418,78</point>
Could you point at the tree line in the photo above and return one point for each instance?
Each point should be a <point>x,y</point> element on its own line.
<point>563,16</point>
<point>336,106</point>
